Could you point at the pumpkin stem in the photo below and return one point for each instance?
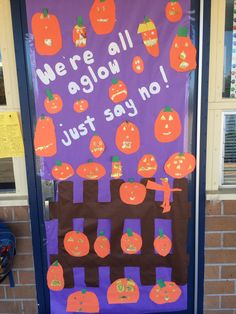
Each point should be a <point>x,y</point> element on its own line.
<point>56,263</point>
<point>129,232</point>
<point>80,22</point>
<point>77,231</point>
<point>181,154</point>
<point>45,12</point>
<point>182,31</point>
<point>101,233</point>
<point>173,1</point>
<point>114,81</point>
<point>83,291</point>
<point>115,159</point>
<point>131,180</point>
<point>161,283</point>
<point>58,163</point>
<point>42,117</point>
<point>102,0</point>
<point>161,233</point>
<point>49,94</point>
<point>147,19</point>
<point>90,160</point>
<point>168,109</point>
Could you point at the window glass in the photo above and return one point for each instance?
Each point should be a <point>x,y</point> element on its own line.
<point>7,180</point>
<point>2,90</point>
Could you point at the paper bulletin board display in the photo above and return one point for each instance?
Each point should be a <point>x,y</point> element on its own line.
<point>111,85</point>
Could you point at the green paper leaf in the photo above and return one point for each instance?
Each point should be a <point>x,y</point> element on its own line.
<point>161,283</point>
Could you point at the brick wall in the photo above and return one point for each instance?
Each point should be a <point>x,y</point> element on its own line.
<point>22,298</point>
<point>220,258</point>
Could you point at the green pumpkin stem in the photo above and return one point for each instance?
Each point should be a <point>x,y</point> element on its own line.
<point>80,22</point>
<point>161,233</point>
<point>77,231</point>
<point>101,233</point>
<point>173,1</point>
<point>58,163</point>
<point>181,154</point>
<point>102,0</point>
<point>83,291</point>
<point>182,31</point>
<point>42,117</point>
<point>131,180</point>
<point>45,12</point>
<point>161,283</point>
<point>56,263</point>
<point>114,81</point>
<point>168,109</point>
<point>49,94</point>
<point>90,160</point>
<point>115,159</point>
<point>147,19</point>
<point>129,232</point>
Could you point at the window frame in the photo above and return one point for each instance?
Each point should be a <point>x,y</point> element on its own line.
<point>20,195</point>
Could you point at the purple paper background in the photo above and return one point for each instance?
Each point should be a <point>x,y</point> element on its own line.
<point>129,14</point>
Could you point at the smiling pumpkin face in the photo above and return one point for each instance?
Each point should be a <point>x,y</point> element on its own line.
<point>131,242</point>
<point>91,170</point>
<point>147,166</point>
<point>132,193</point>
<point>180,165</point>
<point>167,125</point>
<point>122,291</point>
<point>76,243</point>
<point>82,301</point>
<point>96,146</point>
<point>127,138</point>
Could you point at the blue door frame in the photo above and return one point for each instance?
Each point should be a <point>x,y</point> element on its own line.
<point>26,93</point>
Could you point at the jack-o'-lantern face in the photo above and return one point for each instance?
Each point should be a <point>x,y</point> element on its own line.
<point>131,242</point>
<point>147,166</point>
<point>62,171</point>
<point>76,243</point>
<point>82,301</point>
<point>174,11</point>
<point>103,16</point>
<point>138,65</point>
<point>122,291</point>
<point>165,292</point>
<point>81,105</point>
<point>132,193</point>
<point>167,125</point>
<point>180,165</point>
<point>55,278</point>
<point>79,35</point>
<point>53,102</point>
<point>96,146</point>
<point>118,91</point>
<point>91,170</point>
<point>128,138</point>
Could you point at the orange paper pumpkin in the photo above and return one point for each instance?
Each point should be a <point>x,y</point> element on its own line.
<point>147,166</point>
<point>47,33</point>
<point>45,143</point>
<point>131,242</point>
<point>182,52</point>
<point>132,193</point>
<point>165,292</point>
<point>179,165</point>
<point>82,301</point>
<point>116,171</point>
<point>96,146</point>
<point>53,102</point>
<point>79,33</point>
<point>118,91</point>
<point>167,125</point>
<point>150,36</point>
<point>81,105</point>
<point>103,16</point>
<point>76,243</point>
<point>162,244</point>
<point>138,65</point>
<point>55,278</point>
<point>128,138</point>
<point>91,170</point>
<point>102,245</point>
<point>62,171</point>
<point>122,291</point>
<point>174,11</point>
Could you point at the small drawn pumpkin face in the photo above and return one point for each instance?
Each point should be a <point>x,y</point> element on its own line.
<point>82,301</point>
<point>132,193</point>
<point>131,242</point>
<point>149,34</point>
<point>102,245</point>
<point>53,102</point>
<point>96,146</point>
<point>179,165</point>
<point>182,52</point>
<point>122,291</point>
<point>165,292</point>
<point>127,138</point>
<point>79,34</point>
<point>138,65</point>
<point>174,11</point>
<point>162,244</point>
<point>76,243</point>
<point>103,16</point>
<point>118,91</point>
<point>81,105</point>
<point>147,166</point>
<point>55,278</point>
<point>167,125</point>
<point>91,170</point>
<point>62,171</point>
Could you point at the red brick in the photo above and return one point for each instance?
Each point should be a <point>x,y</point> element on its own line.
<point>230,239</point>
<point>228,272</point>
<point>26,277</point>
<point>228,301</point>
<point>211,302</point>
<point>20,229</point>
<point>212,272</point>
<point>219,287</point>
<point>23,261</point>
<point>220,256</point>
<point>24,245</point>
<point>30,307</point>
<point>220,223</point>
<point>2,293</point>
<point>212,239</point>
<point>6,280</point>
<point>230,207</point>
<point>21,213</point>
<point>213,208</point>
<point>6,213</point>
<point>10,307</point>
<point>21,292</point>
<point>219,312</point>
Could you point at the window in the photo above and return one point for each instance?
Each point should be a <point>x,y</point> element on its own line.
<point>221,137</point>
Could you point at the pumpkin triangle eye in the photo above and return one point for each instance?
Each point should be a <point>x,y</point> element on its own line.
<point>152,158</point>
<point>176,45</point>
<point>186,44</point>
<point>171,118</point>
<point>163,118</point>
<point>124,128</point>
